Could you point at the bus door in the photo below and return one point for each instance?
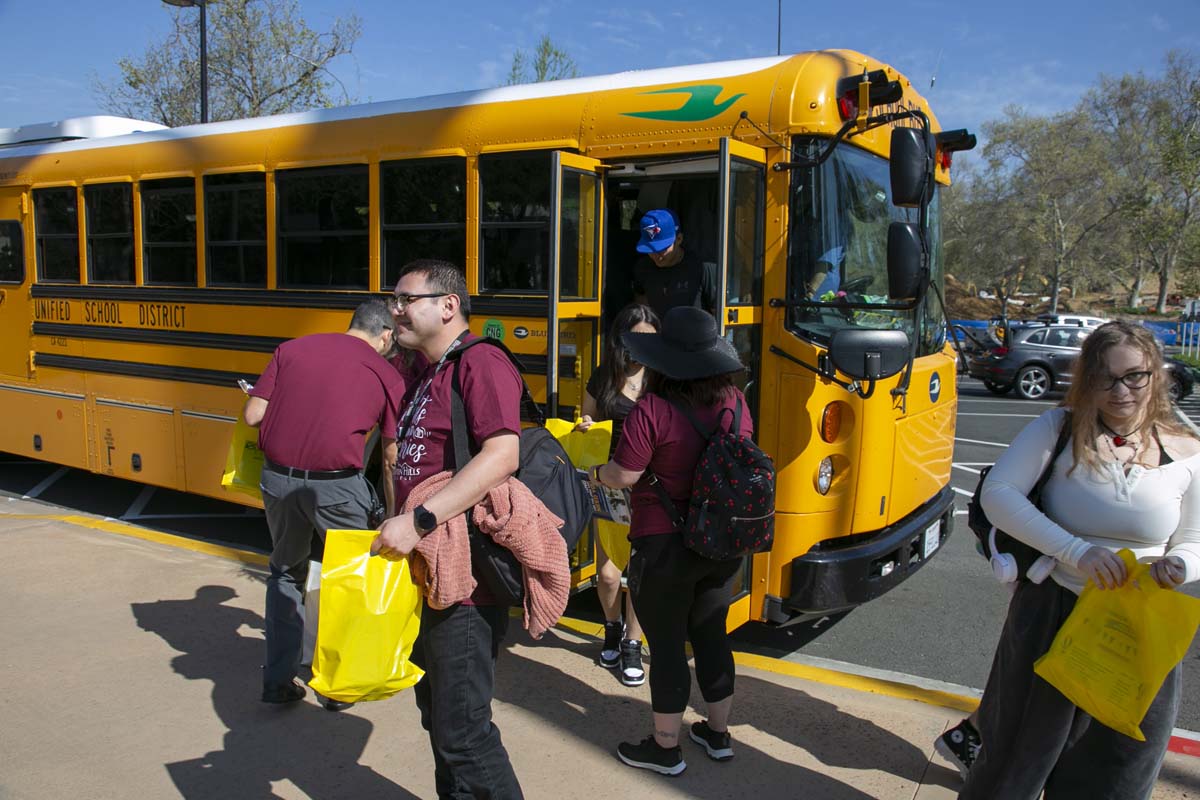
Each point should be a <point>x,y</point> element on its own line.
<point>742,197</point>
<point>14,298</point>
<point>573,327</point>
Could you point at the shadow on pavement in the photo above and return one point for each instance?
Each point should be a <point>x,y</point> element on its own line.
<point>601,720</point>
<point>300,743</point>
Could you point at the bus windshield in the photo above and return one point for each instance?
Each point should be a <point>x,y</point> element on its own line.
<point>840,214</point>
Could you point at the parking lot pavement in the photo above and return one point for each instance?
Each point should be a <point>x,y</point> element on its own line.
<point>139,676</point>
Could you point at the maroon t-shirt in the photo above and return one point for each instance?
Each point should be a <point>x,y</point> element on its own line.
<point>491,391</point>
<point>325,392</point>
<point>657,436</point>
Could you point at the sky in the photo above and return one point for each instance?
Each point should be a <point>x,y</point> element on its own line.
<point>1041,56</point>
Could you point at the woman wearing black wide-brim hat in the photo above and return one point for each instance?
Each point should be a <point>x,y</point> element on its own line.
<point>678,594</point>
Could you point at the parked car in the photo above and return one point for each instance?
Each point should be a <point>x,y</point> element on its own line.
<point>1071,319</point>
<point>1037,358</point>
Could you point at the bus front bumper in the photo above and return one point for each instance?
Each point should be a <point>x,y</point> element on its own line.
<point>834,578</point>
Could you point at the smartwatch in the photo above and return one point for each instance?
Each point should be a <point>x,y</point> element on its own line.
<point>424,520</point>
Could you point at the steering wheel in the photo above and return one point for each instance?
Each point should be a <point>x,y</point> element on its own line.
<point>857,285</point>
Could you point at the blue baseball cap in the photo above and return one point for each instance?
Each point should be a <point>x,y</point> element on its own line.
<point>658,231</point>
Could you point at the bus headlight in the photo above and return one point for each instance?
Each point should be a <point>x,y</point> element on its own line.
<point>825,475</point>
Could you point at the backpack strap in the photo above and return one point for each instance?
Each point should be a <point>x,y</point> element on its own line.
<point>665,499</point>
<point>532,409</point>
<point>1060,444</point>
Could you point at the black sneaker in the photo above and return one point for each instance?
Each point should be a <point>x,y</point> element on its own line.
<point>718,745</point>
<point>632,673</point>
<point>647,754</point>
<point>610,654</point>
<point>287,693</point>
<point>960,746</point>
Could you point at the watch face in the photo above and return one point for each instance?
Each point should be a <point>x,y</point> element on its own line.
<point>425,520</point>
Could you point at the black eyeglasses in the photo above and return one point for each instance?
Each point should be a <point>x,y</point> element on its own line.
<point>399,302</point>
<point>1132,380</point>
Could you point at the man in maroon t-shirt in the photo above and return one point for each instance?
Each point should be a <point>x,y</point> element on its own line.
<point>455,695</point>
<point>314,405</point>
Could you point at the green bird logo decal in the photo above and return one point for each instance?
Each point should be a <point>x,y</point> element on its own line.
<point>701,104</point>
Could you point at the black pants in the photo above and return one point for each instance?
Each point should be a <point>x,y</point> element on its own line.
<point>681,596</point>
<point>1035,738</point>
<point>457,648</point>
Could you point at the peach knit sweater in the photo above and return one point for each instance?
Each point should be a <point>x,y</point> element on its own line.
<point>515,519</point>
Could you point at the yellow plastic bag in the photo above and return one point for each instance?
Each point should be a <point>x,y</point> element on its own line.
<point>584,448</point>
<point>614,538</point>
<point>370,616</point>
<point>1115,649</point>
<point>243,462</point>
<point>588,449</point>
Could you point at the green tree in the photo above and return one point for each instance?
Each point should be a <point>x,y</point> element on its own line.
<point>262,59</point>
<point>547,63</point>
<point>1057,179</point>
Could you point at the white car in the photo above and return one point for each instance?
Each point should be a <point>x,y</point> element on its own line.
<point>1072,319</point>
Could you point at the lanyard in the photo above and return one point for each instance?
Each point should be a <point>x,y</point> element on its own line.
<point>404,428</point>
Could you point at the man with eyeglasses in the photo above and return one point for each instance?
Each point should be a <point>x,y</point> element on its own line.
<point>431,309</point>
<point>318,398</point>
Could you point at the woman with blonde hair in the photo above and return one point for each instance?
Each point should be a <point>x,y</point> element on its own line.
<point>1128,479</point>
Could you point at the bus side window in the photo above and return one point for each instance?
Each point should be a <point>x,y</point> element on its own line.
<point>235,229</point>
<point>56,218</point>
<point>514,246</point>
<point>423,214</point>
<point>109,232</point>
<point>169,231</point>
<point>12,260</point>
<point>323,222</point>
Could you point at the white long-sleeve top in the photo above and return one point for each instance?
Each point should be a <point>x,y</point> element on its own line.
<point>1151,510</point>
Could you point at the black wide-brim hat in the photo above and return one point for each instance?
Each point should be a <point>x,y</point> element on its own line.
<point>690,347</point>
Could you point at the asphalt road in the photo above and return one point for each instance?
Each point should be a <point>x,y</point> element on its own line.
<point>941,625</point>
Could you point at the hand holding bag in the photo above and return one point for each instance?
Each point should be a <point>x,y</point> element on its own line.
<point>370,617</point>
<point>1115,649</point>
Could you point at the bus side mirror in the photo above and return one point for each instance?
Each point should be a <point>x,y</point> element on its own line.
<point>869,355</point>
<point>905,260</point>
<point>911,167</point>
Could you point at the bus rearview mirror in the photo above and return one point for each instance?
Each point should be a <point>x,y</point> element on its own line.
<point>905,260</point>
<point>869,355</point>
<point>911,167</point>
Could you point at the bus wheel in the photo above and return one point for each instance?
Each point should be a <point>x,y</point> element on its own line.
<point>1033,382</point>
<point>998,388</point>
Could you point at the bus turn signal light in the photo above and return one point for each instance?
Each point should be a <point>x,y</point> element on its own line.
<point>831,422</point>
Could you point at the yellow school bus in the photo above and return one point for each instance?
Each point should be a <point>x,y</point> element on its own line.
<point>142,274</point>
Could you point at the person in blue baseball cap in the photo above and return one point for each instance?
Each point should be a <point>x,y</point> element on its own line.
<point>671,276</point>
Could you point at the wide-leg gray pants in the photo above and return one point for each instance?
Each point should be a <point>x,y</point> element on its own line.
<point>295,509</point>
<point>1034,738</point>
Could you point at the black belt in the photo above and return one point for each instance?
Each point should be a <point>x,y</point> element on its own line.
<point>311,474</point>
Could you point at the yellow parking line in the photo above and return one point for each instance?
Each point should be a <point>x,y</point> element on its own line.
<point>125,529</point>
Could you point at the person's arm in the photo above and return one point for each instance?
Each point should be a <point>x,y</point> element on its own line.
<point>614,475</point>
<point>254,411</point>
<point>1005,493</point>
<point>1181,563</point>
<point>588,415</point>
<point>388,460</point>
<point>491,466</point>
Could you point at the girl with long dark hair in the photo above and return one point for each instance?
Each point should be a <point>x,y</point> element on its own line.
<point>616,385</point>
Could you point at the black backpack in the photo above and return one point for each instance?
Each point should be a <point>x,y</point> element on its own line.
<point>544,467</point>
<point>981,526</point>
<point>731,512</point>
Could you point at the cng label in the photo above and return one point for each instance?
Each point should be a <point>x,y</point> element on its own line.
<point>494,328</point>
<point>935,387</point>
